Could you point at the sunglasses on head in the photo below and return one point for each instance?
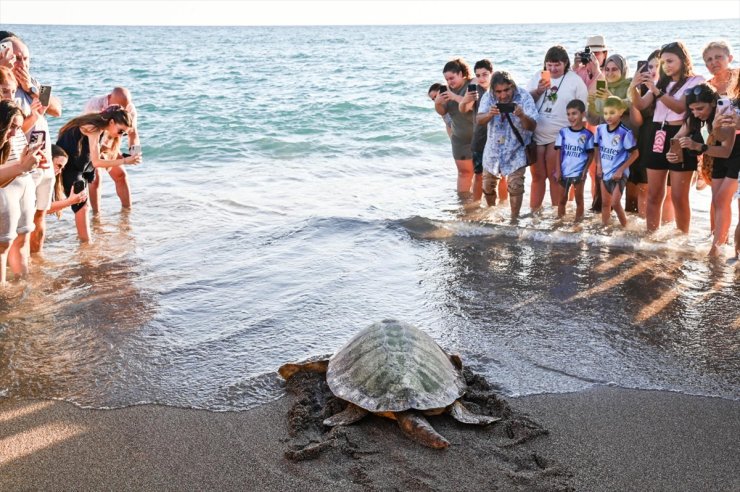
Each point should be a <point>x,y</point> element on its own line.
<point>669,46</point>
<point>694,90</point>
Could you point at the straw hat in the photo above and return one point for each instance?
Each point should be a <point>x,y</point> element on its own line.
<point>597,43</point>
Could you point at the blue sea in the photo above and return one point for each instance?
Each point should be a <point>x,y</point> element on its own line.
<point>297,185</point>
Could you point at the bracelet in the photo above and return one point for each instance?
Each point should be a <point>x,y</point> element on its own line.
<point>659,95</point>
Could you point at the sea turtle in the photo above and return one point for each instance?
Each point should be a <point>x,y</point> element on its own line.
<point>393,369</point>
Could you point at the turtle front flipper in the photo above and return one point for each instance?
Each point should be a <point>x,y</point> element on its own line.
<point>418,428</point>
<point>348,416</point>
<point>462,414</point>
<point>288,370</point>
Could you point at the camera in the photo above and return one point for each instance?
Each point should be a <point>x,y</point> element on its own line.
<point>506,107</point>
<point>584,56</point>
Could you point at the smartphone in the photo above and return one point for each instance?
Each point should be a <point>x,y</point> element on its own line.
<point>7,45</point>
<point>135,149</point>
<point>723,105</point>
<point>443,89</point>
<point>642,66</point>
<point>506,107</point>
<point>472,88</point>
<point>601,84</point>
<point>676,148</point>
<point>79,185</point>
<point>36,137</point>
<point>546,76</point>
<point>45,95</point>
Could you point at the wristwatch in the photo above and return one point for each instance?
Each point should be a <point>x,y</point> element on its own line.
<point>660,94</point>
<point>703,149</point>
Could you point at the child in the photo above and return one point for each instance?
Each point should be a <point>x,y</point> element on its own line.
<point>617,151</point>
<point>59,160</point>
<point>576,145</point>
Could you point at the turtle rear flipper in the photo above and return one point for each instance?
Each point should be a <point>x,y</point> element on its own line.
<point>418,428</point>
<point>462,414</point>
<point>348,416</point>
<point>288,370</point>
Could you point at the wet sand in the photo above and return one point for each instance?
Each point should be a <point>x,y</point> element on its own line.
<point>602,439</point>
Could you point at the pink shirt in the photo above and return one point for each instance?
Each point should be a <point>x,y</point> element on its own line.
<point>662,113</point>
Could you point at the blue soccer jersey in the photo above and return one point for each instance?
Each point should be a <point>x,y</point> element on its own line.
<point>614,148</point>
<point>575,147</point>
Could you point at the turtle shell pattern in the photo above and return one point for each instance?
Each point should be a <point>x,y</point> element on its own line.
<point>392,366</point>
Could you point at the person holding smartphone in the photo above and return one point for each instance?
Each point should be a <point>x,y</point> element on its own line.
<point>35,111</point>
<point>119,96</point>
<point>551,99</point>
<point>669,97</point>
<point>725,156</point>
<point>511,116</point>
<point>458,75</point>
<point>80,138</point>
<point>17,160</point>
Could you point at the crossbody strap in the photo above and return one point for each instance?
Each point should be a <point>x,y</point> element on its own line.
<point>516,132</point>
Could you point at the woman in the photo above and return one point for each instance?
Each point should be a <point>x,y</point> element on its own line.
<point>702,103</point>
<point>16,190</point>
<point>617,84</point>
<point>717,58</point>
<point>551,95</point>
<point>457,74</point>
<point>642,121</point>
<point>80,138</point>
<point>668,95</point>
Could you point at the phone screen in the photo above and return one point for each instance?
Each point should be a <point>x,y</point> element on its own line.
<point>37,136</point>
<point>600,84</point>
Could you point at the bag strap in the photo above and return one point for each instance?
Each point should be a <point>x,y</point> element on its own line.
<point>516,132</point>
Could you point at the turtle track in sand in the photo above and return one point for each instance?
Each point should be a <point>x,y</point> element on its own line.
<point>374,453</point>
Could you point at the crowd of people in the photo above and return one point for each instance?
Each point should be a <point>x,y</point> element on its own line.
<point>40,177</point>
<point>645,138</point>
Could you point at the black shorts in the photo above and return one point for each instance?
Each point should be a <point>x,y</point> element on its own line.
<point>68,180</point>
<point>638,173</point>
<point>611,184</point>
<point>658,161</point>
<point>566,183</point>
<point>725,168</point>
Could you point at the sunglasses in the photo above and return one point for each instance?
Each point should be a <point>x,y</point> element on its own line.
<point>669,46</point>
<point>122,132</point>
<point>694,90</point>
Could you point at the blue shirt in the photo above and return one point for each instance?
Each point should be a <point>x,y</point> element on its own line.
<point>614,148</point>
<point>575,148</point>
<point>503,153</point>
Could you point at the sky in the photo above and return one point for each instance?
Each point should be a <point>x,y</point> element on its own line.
<point>355,12</point>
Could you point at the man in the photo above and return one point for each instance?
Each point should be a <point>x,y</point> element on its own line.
<point>26,97</point>
<point>122,97</point>
<point>513,117</point>
<point>483,70</point>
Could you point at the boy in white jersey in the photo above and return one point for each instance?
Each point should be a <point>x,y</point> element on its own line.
<point>575,151</point>
<point>617,151</point>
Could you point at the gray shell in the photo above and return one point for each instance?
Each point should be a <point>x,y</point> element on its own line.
<point>392,366</point>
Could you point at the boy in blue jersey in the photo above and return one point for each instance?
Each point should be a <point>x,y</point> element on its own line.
<point>617,151</point>
<point>575,146</point>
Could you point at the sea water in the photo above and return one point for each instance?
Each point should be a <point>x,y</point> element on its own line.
<point>297,185</point>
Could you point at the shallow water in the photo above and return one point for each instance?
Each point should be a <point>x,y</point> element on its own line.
<point>297,186</point>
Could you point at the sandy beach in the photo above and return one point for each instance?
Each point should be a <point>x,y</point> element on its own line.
<point>602,439</point>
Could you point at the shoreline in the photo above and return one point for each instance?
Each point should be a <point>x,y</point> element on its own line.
<point>604,438</point>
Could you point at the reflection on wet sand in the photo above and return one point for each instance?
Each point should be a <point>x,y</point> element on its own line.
<point>615,281</point>
<point>81,302</point>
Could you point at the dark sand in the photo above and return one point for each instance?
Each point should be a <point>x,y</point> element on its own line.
<point>603,439</point>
